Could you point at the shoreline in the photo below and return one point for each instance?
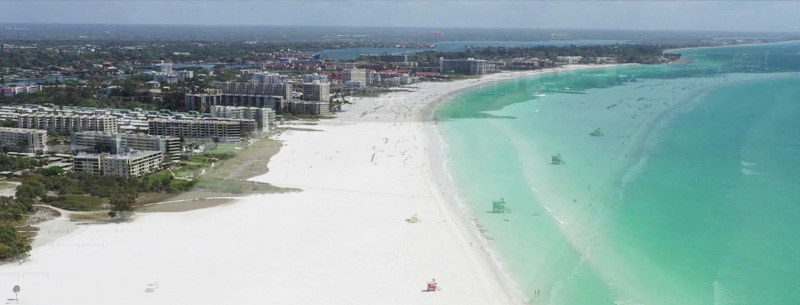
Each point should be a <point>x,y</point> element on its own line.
<point>441,174</point>
<point>643,135</point>
<point>343,231</point>
<point>733,45</point>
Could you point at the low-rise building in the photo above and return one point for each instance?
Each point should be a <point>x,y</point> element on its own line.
<point>568,59</point>
<point>209,129</point>
<point>131,164</point>
<point>14,90</point>
<point>272,88</point>
<point>310,107</point>
<point>120,143</point>
<point>23,140</point>
<point>202,102</point>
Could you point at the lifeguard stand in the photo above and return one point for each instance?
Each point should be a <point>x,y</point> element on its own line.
<point>500,206</point>
<point>556,160</point>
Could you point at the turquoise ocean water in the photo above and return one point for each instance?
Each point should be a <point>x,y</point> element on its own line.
<point>690,196</point>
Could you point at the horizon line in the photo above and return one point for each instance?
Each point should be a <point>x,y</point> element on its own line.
<point>395,27</point>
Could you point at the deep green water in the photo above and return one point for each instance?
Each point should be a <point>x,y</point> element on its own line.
<point>691,196</point>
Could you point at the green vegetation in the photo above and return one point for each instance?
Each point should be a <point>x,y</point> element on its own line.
<point>624,53</point>
<point>74,202</point>
<point>8,163</point>
<point>12,243</point>
<point>72,93</point>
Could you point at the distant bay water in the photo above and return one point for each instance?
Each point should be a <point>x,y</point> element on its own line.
<point>679,183</point>
<point>456,46</point>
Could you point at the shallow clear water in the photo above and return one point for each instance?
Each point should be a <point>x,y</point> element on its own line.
<point>690,196</point>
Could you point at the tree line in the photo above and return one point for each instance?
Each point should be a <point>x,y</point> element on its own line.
<point>50,185</point>
<point>624,53</point>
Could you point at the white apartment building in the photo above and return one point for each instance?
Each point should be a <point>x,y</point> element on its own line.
<point>568,59</point>
<point>64,124</point>
<point>264,117</point>
<point>165,67</point>
<point>267,78</point>
<point>355,76</point>
<point>132,164</point>
<point>183,75</point>
<point>23,140</point>
<point>120,143</point>
<point>222,130</point>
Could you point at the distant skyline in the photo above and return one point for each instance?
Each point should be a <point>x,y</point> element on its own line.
<point>778,16</point>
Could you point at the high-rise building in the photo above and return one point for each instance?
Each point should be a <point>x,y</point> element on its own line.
<point>355,75</point>
<point>317,91</point>
<point>469,66</point>
<point>23,140</point>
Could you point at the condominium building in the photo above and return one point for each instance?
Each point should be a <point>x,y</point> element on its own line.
<point>120,143</point>
<point>203,102</point>
<point>468,66</point>
<point>165,67</point>
<point>23,140</point>
<point>131,164</point>
<point>373,78</point>
<point>310,107</point>
<point>354,76</point>
<point>261,88</point>
<point>184,74</point>
<point>267,78</point>
<point>64,124</point>
<point>264,117</point>
<point>169,78</point>
<point>215,129</point>
<point>568,59</point>
<point>317,91</point>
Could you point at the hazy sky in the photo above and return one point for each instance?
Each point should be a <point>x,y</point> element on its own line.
<point>657,15</point>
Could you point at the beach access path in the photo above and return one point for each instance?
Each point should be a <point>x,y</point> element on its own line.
<point>343,240</point>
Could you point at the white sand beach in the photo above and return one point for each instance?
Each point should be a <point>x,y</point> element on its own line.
<point>343,240</point>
